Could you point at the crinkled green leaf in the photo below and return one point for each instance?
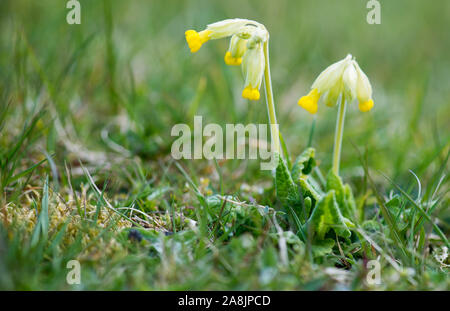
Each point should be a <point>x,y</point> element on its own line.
<point>285,186</point>
<point>344,195</point>
<point>301,169</point>
<point>308,205</point>
<point>334,182</point>
<point>309,190</point>
<point>289,194</point>
<point>304,164</point>
<point>327,215</point>
<point>322,247</point>
<point>350,200</point>
<point>315,185</point>
<point>288,188</point>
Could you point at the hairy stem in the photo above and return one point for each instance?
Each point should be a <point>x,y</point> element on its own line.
<point>269,100</point>
<point>338,135</point>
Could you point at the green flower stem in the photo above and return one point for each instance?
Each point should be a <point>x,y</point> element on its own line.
<point>269,100</point>
<point>338,135</point>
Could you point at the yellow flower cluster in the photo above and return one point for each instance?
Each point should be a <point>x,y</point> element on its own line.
<point>344,80</point>
<point>246,49</point>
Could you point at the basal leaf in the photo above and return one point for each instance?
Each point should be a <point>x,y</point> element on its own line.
<point>285,186</point>
<point>322,247</point>
<point>301,169</point>
<point>289,194</point>
<point>327,215</point>
<point>308,205</point>
<point>344,195</point>
<point>350,201</point>
<point>309,190</point>
<point>304,164</point>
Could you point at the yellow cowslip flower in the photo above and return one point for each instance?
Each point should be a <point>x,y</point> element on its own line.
<point>232,61</point>
<point>246,48</point>
<point>253,69</point>
<point>343,79</point>
<point>217,30</point>
<point>196,39</point>
<point>309,102</point>
<point>236,51</point>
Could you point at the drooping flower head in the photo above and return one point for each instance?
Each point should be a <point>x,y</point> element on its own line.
<point>344,80</point>
<point>246,48</point>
